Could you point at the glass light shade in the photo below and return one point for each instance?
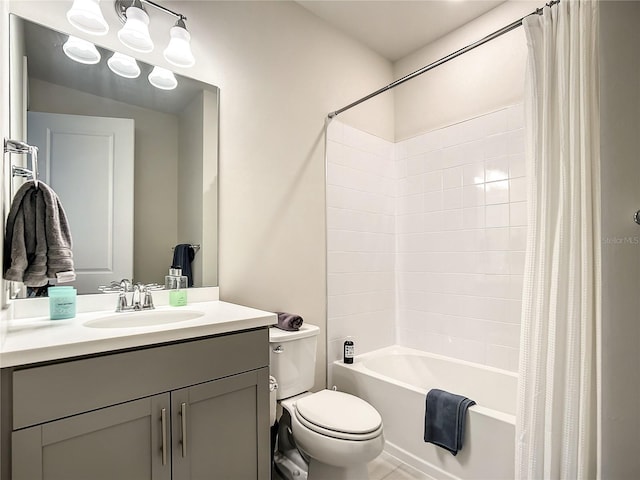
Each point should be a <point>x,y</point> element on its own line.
<point>178,52</point>
<point>124,65</point>
<point>86,16</point>
<point>81,51</point>
<point>163,79</point>
<point>135,33</point>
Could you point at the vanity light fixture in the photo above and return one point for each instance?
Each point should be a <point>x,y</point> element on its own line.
<point>162,78</point>
<point>178,52</point>
<point>81,50</point>
<point>124,65</point>
<point>135,33</point>
<point>86,16</point>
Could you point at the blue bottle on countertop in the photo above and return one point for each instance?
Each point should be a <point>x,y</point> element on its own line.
<point>62,302</point>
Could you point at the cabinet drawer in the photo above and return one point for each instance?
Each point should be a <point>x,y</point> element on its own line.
<point>49,392</point>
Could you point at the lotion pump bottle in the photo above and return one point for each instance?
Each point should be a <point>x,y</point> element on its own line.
<point>176,283</point>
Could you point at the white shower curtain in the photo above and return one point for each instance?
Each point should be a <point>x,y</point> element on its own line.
<point>556,421</point>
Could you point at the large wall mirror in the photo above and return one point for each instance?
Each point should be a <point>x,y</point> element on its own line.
<point>135,166</point>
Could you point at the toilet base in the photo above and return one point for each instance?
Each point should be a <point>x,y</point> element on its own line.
<point>322,471</point>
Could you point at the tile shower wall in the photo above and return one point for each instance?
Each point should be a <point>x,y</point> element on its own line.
<point>426,239</point>
<point>361,191</point>
<point>461,230</point>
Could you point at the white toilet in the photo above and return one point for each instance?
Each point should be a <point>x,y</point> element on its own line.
<point>337,433</point>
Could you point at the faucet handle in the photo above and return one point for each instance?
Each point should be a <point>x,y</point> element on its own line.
<point>122,301</point>
<point>147,303</point>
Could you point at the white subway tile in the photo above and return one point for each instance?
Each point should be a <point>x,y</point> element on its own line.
<point>452,177</point>
<point>516,263</point>
<point>452,199</point>
<point>496,145</point>
<point>496,262</point>
<point>497,238</point>
<point>515,117</point>
<point>452,220</point>
<point>497,215</point>
<point>335,131</point>
<point>415,165</point>
<point>518,214</point>
<point>495,122</point>
<point>473,217</point>
<point>518,238</point>
<point>518,189</point>
<point>432,181</point>
<point>515,286</point>
<point>433,201</point>
<point>497,192</point>
<point>473,196</point>
<point>473,173</point>
<point>516,142</point>
<point>505,358</point>
<point>517,165</point>
<point>496,169</point>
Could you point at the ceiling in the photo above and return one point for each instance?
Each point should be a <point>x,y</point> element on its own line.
<point>396,28</point>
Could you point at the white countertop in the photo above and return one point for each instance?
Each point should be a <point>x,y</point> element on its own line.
<point>37,338</point>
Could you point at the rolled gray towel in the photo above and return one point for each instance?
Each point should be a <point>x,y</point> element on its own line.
<point>289,321</point>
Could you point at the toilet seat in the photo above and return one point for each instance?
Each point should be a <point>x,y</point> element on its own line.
<point>339,415</point>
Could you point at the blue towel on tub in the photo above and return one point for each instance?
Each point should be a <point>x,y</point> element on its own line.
<point>444,419</point>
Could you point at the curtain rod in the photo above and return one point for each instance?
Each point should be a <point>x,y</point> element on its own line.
<point>445,59</point>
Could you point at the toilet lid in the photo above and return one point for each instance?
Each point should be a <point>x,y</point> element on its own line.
<point>339,414</point>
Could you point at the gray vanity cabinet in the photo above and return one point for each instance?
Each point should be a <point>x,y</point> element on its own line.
<point>221,437</point>
<point>191,410</point>
<point>119,442</point>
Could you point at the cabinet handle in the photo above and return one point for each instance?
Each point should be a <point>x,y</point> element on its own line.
<point>183,413</point>
<point>163,421</point>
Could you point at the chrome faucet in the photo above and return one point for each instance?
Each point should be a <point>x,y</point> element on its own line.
<point>141,298</point>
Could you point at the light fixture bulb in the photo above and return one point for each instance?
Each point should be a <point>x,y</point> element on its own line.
<point>135,32</point>
<point>86,16</point>
<point>178,52</point>
<point>163,79</point>
<point>81,51</point>
<point>124,65</point>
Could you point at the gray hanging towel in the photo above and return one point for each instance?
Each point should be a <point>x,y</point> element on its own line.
<point>37,238</point>
<point>444,419</point>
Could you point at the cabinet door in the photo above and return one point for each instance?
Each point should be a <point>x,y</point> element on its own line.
<point>123,442</point>
<point>221,429</point>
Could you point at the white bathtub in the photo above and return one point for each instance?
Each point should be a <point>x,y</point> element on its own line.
<point>395,380</point>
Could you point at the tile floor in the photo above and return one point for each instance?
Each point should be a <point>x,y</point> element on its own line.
<point>386,467</point>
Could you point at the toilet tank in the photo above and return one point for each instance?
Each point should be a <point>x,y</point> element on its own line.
<point>292,357</point>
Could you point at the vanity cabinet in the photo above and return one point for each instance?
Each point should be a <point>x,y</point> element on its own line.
<point>192,410</point>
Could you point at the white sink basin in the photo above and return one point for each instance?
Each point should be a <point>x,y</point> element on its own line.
<point>146,318</point>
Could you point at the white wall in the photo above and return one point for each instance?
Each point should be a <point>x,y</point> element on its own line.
<point>620,144</point>
<point>280,70</point>
<point>481,81</point>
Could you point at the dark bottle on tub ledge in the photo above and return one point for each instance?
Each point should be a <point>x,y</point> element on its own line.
<point>348,351</point>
